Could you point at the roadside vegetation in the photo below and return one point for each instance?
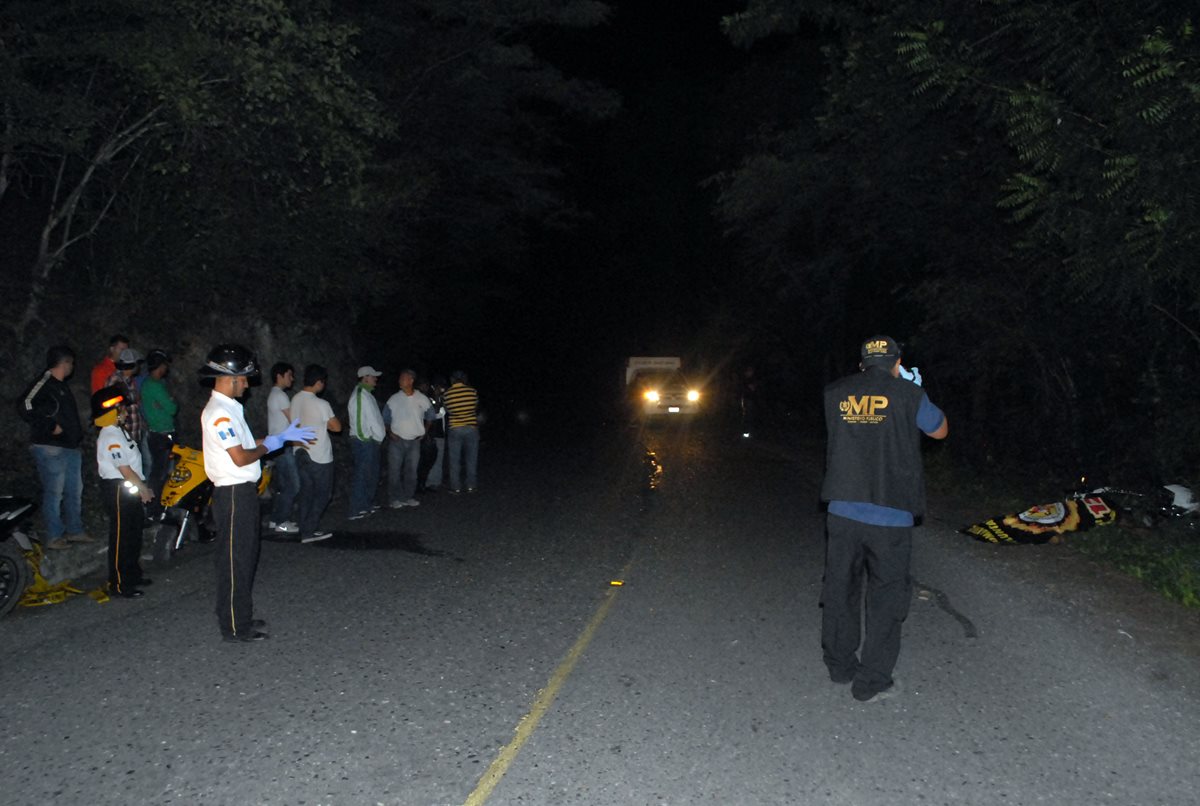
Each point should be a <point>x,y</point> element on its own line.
<point>1010,193</point>
<point>1166,558</point>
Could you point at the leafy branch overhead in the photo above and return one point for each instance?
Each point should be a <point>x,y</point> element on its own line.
<point>1001,181</point>
<point>283,142</point>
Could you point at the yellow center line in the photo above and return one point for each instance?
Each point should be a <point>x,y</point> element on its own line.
<point>541,704</point>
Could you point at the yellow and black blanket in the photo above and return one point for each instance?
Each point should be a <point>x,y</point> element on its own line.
<point>1044,522</point>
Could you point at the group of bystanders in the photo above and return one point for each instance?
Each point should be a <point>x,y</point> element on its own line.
<point>134,412</point>
<point>420,415</point>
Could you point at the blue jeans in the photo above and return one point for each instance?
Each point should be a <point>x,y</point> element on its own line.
<point>316,488</point>
<point>60,470</point>
<point>403,457</point>
<point>463,442</point>
<point>287,484</point>
<point>367,456</point>
<point>147,454</point>
<point>434,478</point>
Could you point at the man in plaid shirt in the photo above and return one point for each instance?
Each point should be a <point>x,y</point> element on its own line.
<point>127,364</point>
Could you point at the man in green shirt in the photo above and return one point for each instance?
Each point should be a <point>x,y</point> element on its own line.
<point>159,409</point>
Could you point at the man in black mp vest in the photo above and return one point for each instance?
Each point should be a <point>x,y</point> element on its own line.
<point>875,488</point>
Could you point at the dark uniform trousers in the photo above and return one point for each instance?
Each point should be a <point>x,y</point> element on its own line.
<point>883,553</point>
<point>235,517</point>
<point>125,517</point>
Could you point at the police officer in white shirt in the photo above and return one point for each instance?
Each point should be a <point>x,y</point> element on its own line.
<point>231,460</point>
<point>123,490</point>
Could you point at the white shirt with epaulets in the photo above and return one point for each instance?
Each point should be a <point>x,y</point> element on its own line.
<point>115,449</point>
<point>223,425</point>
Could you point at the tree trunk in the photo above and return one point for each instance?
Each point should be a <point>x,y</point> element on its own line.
<point>57,235</point>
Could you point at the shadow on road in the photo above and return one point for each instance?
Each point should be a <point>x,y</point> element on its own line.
<point>382,541</point>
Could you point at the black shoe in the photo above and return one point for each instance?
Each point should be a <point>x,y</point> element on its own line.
<point>128,593</point>
<point>840,677</point>
<point>253,635</point>
<point>258,623</point>
<point>876,695</point>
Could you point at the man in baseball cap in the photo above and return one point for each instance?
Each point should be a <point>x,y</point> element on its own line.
<point>128,362</point>
<point>367,433</point>
<point>875,490</point>
<point>880,351</point>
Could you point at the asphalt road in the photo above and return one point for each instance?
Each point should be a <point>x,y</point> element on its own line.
<point>475,650</point>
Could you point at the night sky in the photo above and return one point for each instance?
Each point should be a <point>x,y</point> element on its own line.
<point>648,266</point>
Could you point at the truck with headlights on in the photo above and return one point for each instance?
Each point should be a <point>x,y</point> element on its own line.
<point>656,386</point>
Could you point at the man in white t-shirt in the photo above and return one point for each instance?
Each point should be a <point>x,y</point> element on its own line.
<point>367,433</point>
<point>315,460</point>
<point>231,461</point>
<point>407,408</point>
<point>283,464</point>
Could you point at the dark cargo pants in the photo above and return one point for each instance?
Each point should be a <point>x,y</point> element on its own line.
<point>882,554</point>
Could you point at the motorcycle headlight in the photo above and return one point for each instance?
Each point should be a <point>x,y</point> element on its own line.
<point>693,395</point>
<point>181,476</point>
<point>651,395</point>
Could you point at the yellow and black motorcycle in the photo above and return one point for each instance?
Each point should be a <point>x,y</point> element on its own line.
<point>187,502</point>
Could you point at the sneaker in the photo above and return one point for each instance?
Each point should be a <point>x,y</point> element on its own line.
<point>412,502</point>
<point>879,696</point>
<point>287,528</point>
<point>472,490</point>
<point>374,508</point>
<point>454,491</point>
<point>358,516</point>
<point>271,525</point>
<point>396,505</point>
<point>60,544</point>
<point>80,537</point>
<point>316,537</point>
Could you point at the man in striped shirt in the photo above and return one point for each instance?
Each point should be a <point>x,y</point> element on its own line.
<point>462,431</point>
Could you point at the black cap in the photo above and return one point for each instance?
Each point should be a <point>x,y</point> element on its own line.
<point>879,350</point>
<point>156,358</point>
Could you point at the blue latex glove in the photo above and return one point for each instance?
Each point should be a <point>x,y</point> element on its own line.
<point>913,374</point>
<point>293,433</point>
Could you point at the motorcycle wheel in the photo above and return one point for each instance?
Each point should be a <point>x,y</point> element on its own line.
<point>164,542</point>
<point>166,535</point>
<point>14,575</point>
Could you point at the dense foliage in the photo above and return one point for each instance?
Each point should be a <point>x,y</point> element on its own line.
<point>153,150</point>
<point>1008,186</point>
<point>297,174</point>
